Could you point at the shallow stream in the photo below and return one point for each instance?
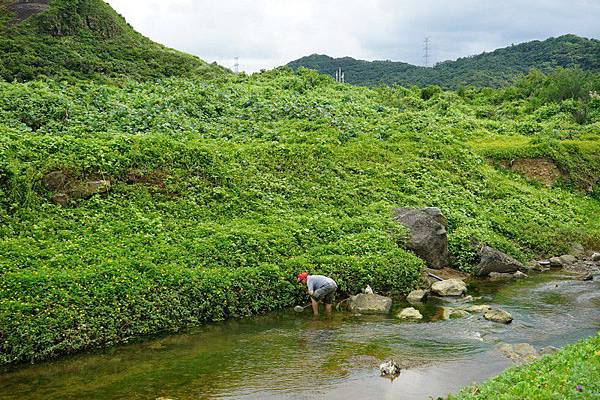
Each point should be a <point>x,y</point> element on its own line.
<point>285,355</point>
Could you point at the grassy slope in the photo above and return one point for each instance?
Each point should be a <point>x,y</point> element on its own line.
<point>87,39</point>
<point>498,68</point>
<point>573,373</point>
<point>248,181</point>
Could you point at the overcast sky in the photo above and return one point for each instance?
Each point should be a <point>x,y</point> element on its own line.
<point>269,33</point>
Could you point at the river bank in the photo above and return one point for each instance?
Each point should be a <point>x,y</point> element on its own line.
<point>284,355</point>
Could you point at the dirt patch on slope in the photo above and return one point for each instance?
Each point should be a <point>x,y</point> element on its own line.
<point>24,9</point>
<point>540,169</point>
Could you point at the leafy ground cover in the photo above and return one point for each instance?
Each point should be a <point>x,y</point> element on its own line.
<point>572,373</point>
<point>222,190</point>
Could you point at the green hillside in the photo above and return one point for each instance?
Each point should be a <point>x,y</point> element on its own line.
<point>152,205</point>
<point>84,39</point>
<point>499,68</point>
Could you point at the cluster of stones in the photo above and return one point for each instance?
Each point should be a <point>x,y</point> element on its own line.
<point>583,263</point>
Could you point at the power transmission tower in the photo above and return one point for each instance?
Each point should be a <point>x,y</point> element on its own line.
<point>426,49</point>
<point>236,66</point>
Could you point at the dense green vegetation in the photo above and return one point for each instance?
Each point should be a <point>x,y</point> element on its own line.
<point>86,39</point>
<point>573,373</point>
<point>499,68</point>
<point>222,189</point>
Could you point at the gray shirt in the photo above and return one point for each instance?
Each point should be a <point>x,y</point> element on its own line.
<point>315,282</point>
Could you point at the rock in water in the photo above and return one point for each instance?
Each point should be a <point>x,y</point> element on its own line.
<point>480,308</point>
<point>428,236</point>
<point>568,259</point>
<point>453,313</point>
<point>519,352</point>
<point>555,262</point>
<point>587,276</point>
<point>498,316</point>
<point>449,287</point>
<point>520,275</point>
<point>500,276</point>
<point>364,303</point>
<point>416,296</point>
<point>389,369</point>
<point>596,257</point>
<point>410,313</point>
<point>492,260</point>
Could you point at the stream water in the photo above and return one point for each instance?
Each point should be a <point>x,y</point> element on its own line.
<point>285,355</point>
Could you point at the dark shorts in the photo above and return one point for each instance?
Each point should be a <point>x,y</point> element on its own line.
<point>326,294</point>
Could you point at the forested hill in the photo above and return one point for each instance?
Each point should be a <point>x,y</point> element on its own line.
<point>498,68</point>
<point>83,39</point>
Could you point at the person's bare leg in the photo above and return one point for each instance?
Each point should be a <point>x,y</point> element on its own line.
<point>328,308</point>
<point>315,306</point>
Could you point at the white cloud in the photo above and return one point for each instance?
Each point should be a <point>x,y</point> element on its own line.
<point>268,33</point>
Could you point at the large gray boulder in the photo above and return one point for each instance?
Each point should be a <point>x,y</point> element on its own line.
<point>492,260</point>
<point>369,303</point>
<point>428,236</point>
<point>449,287</point>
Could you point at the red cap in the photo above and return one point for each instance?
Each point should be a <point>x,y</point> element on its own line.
<point>302,276</point>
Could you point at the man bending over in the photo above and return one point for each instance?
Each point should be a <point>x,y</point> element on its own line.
<point>321,289</point>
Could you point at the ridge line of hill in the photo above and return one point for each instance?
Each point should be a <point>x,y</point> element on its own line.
<point>498,68</point>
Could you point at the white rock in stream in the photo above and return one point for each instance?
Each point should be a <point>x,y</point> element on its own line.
<point>390,369</point>
<point>416,296</point>
<point>449,287</point>
<point>410,313</point>
<point>364,303</point>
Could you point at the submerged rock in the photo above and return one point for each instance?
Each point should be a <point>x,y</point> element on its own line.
<point>480,308</point>
<point>428,236</point>
<point>452,313</point>
<point>492,260</point>
<point>519,352</point>
<point>449,287</point>
<point>389,369</point>
<point>364,303</point>
<point>498,316</point>
<point>500,276</point>
<point>417,296</point>
<point>410,313</point>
